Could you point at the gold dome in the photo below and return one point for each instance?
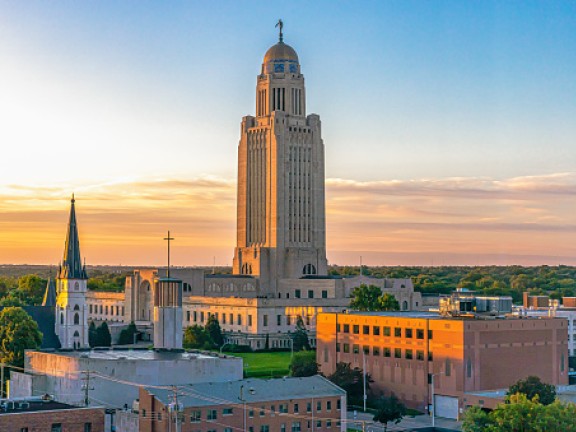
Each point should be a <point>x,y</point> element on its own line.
<point>280,51</point>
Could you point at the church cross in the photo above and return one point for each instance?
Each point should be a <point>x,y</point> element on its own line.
<point>168,240</point>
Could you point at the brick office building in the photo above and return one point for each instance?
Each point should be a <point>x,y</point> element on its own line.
<point>37,415</point>
<point>255,405</point>
<point>403,350</point>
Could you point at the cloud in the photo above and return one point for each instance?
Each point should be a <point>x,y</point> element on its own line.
<point>124,221</point>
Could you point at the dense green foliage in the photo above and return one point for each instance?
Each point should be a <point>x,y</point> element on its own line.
<point>389,409</point>
<point>556,281</point>
<point>214,331</point>
<point>126,336</point>
<point>99,336</point>
<point>300,336</point>
<point>18,332</point>
<point>304,364</point>
<point>522,414</point>
<point>351,380</point>
<point>109,282</point>
<point>207,337</point>
<point>370,298</point>
<point>533,386</point>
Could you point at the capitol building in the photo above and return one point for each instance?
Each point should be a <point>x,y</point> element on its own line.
<point>280,270</point>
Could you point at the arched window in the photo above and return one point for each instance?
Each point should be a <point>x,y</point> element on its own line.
<point>76,319</point>
<point>76,334</point>
<point>76,286</point>
<point>309,269</point>
<point>246,269</point>
<point>76,307</point>
<point>61,317</point>
<point>404,305</point>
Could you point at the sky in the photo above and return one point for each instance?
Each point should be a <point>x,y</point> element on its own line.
<point>449,127</point>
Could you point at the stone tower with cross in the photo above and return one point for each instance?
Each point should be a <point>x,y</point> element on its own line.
<point>281,211</point>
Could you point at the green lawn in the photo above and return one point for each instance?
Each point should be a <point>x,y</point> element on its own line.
<point>265,365</point>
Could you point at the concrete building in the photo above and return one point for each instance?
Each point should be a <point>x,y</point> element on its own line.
<point>404,352</point>
<point>289,404</point>
<point>45,415</point>
<point>113,373</point>
<point>280,265</point>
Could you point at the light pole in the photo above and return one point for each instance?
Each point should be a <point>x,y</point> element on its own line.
<point>241,397</point>
<point>364,377</point>
<point>433,401</point>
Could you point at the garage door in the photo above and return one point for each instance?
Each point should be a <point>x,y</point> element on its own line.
<point>446,406</point>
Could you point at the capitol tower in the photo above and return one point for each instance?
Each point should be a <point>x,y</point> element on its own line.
<point>281,228</point>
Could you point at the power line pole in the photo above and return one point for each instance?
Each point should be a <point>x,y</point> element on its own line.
<point>86,387</point>
<point>176,409</point>
<point>2,380</point>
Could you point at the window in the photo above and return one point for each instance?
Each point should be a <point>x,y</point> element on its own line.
<point>201,316</point>
<point>308,406</point>
<point>76,318</point>
<point>264,428</point>
<point>262,411</point>
<point>295,408</point>
<point>251,413</point>
<point>87,427</point>
<point>337,346</point>
<point>297,293</point>
<point>310,293</point>
<point>356,329</point>
<point>366,349</point>
<point>24,429</point>
<point>283,427</point>
<point>278,320</point>
<point>408,333</point>
<point>195,316</point>
<point>195,416</point>
<point>419,355</point>
<point>227,429</point>
<point>355,348</point>
<point>90,308</point>
<point>328,405</point>
<point>376,330</point>
<point>283,408</point>
<point>387,352</point>
<point>397,353</point>
<point>346,328</point>
<point>386,331</point>
<point>296,427</point>
<point>448,368</point>
<point>324,294</point>
<point>239,319</point>
<point>143,413</point>
<point>338,330</point>
<point>223,318</point>
<point>212,414</point>
<point>288,320</point>
<point>469,367</point>
<point>227,411</point>
<point>319,406</point>
<point>430,356</point>
<point>265,320</point>
<point>106,310</point>
<point>419,334</point>
<point>318,423</point>
<point>408,354</point>
<point>375,351</point>
<point>249,320</point>
<point>430,334</point>
<point>328,423</point>
<point>272,409</point>
<point>56,427</point>
<point>366,330</point>
<point>397,332</point>
<point>338,404</point>
<point>188,316</point>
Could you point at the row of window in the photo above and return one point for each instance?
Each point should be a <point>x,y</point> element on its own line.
<point>386,331</point>
<point>295,426</point>
<point>196,416</point>
<point>103,310</point>
<point>298,293</point>
<point>57,427</point>
<point>409,354</point>
<point>223,319</point>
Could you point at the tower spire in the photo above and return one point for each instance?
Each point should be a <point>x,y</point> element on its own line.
<point>280,24</point>
<point>71,262</point>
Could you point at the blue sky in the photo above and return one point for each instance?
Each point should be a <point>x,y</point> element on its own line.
<point>105,93</point>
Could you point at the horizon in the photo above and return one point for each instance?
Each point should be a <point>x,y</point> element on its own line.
<point>448,129</point>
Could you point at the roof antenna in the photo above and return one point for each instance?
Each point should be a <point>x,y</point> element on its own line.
<point>281,25</point>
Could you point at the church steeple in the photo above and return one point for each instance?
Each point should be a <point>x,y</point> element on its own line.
<point>72,267</point>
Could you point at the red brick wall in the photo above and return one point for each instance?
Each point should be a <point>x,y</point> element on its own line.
<point>72,420</point>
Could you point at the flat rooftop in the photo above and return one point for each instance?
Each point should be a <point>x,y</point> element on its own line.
<point>136,354</point>
<point>17,406</point>
<point>251,390</point>
<point>437,316</point>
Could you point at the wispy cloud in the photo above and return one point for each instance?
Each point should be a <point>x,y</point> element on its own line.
<point>124,221</point>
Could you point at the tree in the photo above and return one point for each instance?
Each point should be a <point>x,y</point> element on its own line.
<point>214,331</point>
<point>388,302</point>
<point>32,288</point>
<point>92,335</point>
<point>304,364</point>
<point>351,380</point>
<point>103,336</point>
<point>127,335</point>
<point>389,409</point>
<point>300,336</point>
<point>195,337</point>
<point>18,332</point>
<point>475,420</point>
<point>533,386</point>
<point>366,298</point>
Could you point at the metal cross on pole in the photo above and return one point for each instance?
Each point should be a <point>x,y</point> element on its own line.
<point>168,240</point>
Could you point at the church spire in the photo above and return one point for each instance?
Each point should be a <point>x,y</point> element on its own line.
<point>72,263</point>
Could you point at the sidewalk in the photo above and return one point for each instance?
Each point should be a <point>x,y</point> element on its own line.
<point>407,423</point>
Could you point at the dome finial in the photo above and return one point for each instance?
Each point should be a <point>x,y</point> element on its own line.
<point>280,24</point>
